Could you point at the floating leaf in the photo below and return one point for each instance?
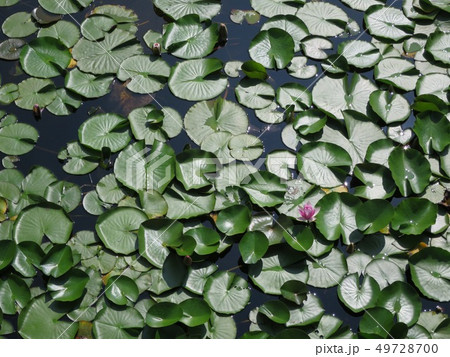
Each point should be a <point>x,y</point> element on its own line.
<point>374,215</point>
<point>273,48</point>
<point>19,24</point>
<point>35,91</point>
<point>410,170</point>
<point>254,93</point>
<point>226,292</point>
<point>376,323</point>
<point>429,272</point>
<point>41,319</point>
<point>10,48</point>
<point>358,296</point>
<point>117,323</point>
<point>17,139</point>
<point>179,8</point>
<point>437,45</point>
<point>388,22</point>
<point>323,19</point>
<point>233,220</point>
<point>414,215</point>
<point>121,289</point>
<point>68,287</point>
<point>116,228</point>
<point>253,246</point>
<point>390,107</point>
<point>198,79</point>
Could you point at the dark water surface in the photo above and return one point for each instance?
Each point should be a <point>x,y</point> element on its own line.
<point>55,131</point>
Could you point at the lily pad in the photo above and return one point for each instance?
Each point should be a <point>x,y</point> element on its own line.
<point>226,292</point>
<point>273,48</point>
<point>17,139</point>
<point>19,24</point>
<point>198,79</point>
<point>179,8</point>
<point>10,48</point>
<point>388,22</point>
<point>323,19</point>
<point>414,215</point>
<point>88,85</point>
<point>358,296</point>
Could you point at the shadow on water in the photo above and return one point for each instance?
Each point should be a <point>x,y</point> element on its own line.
<point>55,131</point>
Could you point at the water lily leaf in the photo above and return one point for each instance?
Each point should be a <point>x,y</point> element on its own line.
<point>17,139</point>
<point>140,168</point>
<point>358,296</point>
<point>254,70</point>
<point>119,14</point>
<point>65,102</point>
<point>217,143</point>
<point>15,295</point>
<point>250,16</point>
<point>300,237</point>
<point>309,121</point>
<point>414,215</point>
<point>7,253</point>
<point>323,19</point>
<point>299,69</point>
<point>374,215</point>
<point>8,93</point>
<point>388,22</point>
<point>117,323</point>
<point>34,91</point>
<point>105,130</point>
<point>279,265</point>
<point>253,246</point>
<point>121,289</point>
<point>294,291</point>
<point>58,261</point>
<point>245,147</point>
<point>94,28</point>
<point>347,94</point>
<point>327,271</point>
<point>179,8</point>
<point>376,323</point>
<point>45,57</point>
<point>183,204</point>
<point>362,5</point>
<point>280,163</point>
<point>198,79</point>
<point>19,24</point>
<point>291,24</point>
<point>207,117</point>
<point>430,128</point>
<point>391,108</point>
<point>65,194</point>
<point>64,31</point>
<point>314,47</point>
<point>28,257</point>
<point>79,160</point>
<point>360,54</point>
<point>187,38</point>
<point>116,228</point>
<point>195,312</point>
<point>154,238</point>
<point>401,300</point>
<point>233,220</point>
<point>273,48</point>
<point>436,84</point>
<point>88,85</point>
<point>192,166</point>
<point>68,287</point>
<point>42,319</point>
<point>429,272</point>
<point>226,292</point>
<point>385,272</point>
<point>437,45</point>
<point>198,274</point>
<point>293,94</point>
<point>337,217</point>
<point>10,48</point>
<point>232,68</point>
<point>46,219</point>
<point>397,72</point>
<point>410,170</point>
<point>254,93</point>
<point>323,164</point>
<point>276,311</point>
<point>147,74</point>
<point>265,189</point>
<point>64,6</point>
<point>107,55</point>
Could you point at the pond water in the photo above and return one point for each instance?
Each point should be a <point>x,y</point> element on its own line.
<point>55,131</point>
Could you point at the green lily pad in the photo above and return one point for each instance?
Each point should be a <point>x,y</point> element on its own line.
<point>429,272</point>
<point>35,91</point>
<point>254,93</point>
<point>105,130</point>
<point>117,323</point>
<point>198,79</point>
<point>358,296</point>
<point>46,219</point>
<point>410,170</point>
<point>88,85</point>
<point>376,323</point>
<point>68,287</point>
<point>179,8</point>
<point>41,319</point>
<point>390,107</point>
<point>323,19</point>
<point>121,289</point>
<point>226,292</point>
<point>17,139</point>
<point>414,215</point>
<point>374,215</point>
<point>116,228</point>
<point>273,48</point>
<point>253,246</point>
<point>233,220</point>
<point>388,22</point>
<point>19,24</point>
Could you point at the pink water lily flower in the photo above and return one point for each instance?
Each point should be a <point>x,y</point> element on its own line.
<point>308,212</point>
